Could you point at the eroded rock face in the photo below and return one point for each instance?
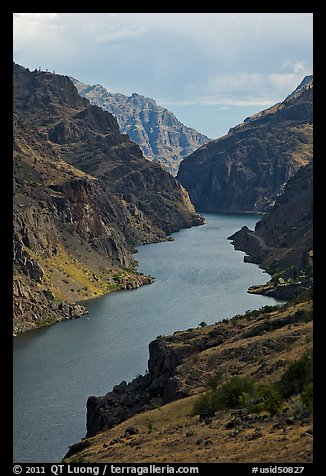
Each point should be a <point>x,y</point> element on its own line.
<point>159,134</point>
<point>157,387</point>
<point>246,169</point>
<point>84,196</point>
<point>179,365</point>
<point>282,241</point>
<point>144,392</point>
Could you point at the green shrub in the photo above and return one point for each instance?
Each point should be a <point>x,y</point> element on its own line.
<point>296,376</point>
<point>239,392</point>
<point>264,397</point>
<point>307,396</point>
<point>203,403</point>
<point>229,394</point>
<point>214,380</point>
<point>269,399</point>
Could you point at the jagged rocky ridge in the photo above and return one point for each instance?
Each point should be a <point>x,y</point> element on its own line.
<point>159,134</point>
<point>282,242</point>
<point>246,169</point>
<point>84,196</point>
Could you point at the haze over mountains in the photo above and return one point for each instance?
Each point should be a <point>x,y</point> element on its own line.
<point>159,134</point>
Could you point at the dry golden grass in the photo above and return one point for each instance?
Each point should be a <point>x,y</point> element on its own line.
<point>170,434</point>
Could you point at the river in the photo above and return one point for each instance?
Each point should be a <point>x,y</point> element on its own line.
<point>198,277</point>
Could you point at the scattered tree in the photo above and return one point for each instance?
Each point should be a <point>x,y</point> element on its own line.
<point>202,324</point>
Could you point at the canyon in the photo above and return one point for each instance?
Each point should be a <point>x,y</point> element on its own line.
<point>84,196</point>
<point>159,134</point>
<point>247,169</point>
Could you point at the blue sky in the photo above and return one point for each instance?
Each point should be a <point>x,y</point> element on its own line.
<point>211,69</point>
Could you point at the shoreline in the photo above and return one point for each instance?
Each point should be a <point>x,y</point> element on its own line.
<point>178,366</point>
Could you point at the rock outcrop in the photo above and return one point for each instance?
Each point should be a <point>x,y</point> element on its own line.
<point>84,196</point>
<point>144,392</point>
<point>246,169</point>
<point>153,414</point>
<point>159,134</point>
<point>282,242</point>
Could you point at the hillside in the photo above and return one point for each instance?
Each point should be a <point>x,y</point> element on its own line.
<point>282,242</point>
<point>175,412</point>
<point>159,134</point>
<point>84,196</point>
<point>245,170</point>
<point>238,390</point>
<point>152,419</point>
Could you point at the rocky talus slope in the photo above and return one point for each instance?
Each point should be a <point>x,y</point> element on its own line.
<point>84,196</point>
<point>159,134</point>
<point>151,419</point>
<point>246,169</point>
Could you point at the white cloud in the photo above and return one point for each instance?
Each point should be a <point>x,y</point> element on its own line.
<point>287,80</point>
<point>120,35</point>
<point>35,32</point>
<point>188,58</point>
<point>33,24</point>
<point>243,88</point>
<point>38,17</point>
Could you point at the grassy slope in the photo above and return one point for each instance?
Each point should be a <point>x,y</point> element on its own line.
<point>170,434</point>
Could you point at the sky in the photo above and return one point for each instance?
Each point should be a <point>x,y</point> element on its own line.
<point>211,69</point>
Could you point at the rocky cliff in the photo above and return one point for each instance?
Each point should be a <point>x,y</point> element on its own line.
<point>159,134</point>
<point>246,169</point>
<point>151,418</point>
<point>84,196</point>
<point>282,242</point>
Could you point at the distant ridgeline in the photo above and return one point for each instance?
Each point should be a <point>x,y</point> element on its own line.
<point>265,165</point>
<point>157,131</point>
<point>246,169</point>
<point>84,196</point>
<point>254,364</point>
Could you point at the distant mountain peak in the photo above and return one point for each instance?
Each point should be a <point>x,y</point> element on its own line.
<point>306,83</point>
<point>160,135</point>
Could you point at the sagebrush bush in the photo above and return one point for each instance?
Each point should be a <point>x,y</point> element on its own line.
<point>228,395</point>
<point>214,380</point>
<point>203,404</point>
<point>263,398</point>
<point>296,376</point>
<point>307,396</point>
<point>270,399</point>
<point>240,392</point>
